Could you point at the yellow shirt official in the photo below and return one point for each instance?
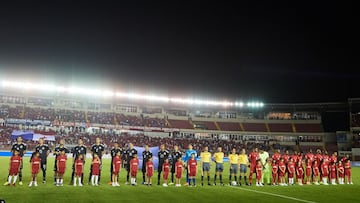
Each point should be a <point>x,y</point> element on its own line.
<point>233,158</point>
<point>219,157</point>
<point>243,159</point>
<point>205,157</point>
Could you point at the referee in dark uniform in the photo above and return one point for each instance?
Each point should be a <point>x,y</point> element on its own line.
<point>79,149</point>
<point>21,148</point>
<point>175,155</point>
<point>43,150</point>
<point>61,147</point>
<point>98,149</point>
<point>162,154</point>
<point>116,149</point>
<point>146,156</point>
<point>129,154</point>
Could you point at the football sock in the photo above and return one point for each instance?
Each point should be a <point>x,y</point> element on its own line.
<point>143,175</point>
<point>96,180</point>
<point>159,174</point>
<point>229,178</point>
<point>208,178</point>
<point>75,181</point>
<point>72,176</point>
<point>9,179</point>
<point>20,175</point>
<point>172,177</point>
<point>235,177</point>
<point>193,180</point>
<point>220,178</point>
<point>215,176</point>
<point>202,179</point>
<point>92,180</point>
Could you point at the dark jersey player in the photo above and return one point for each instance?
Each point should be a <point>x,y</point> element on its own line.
<point>97,149</point>
<point>175,155</point>
<point>129,155</point>
<point>44,150</point>
<point>77,150</point>
<point>21,148</point>
<point>61,147</point>
<point>146,155</point>
<point>162,155</point>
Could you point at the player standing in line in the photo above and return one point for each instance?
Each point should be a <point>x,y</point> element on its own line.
<point>35,162</point>
<point>324,172</point>
<point>276,156</point>
<point>347,167</point>
<point>308,174</point>
<point>263,156</point>
<point>113,152</point>
<point>79,149</point>
<point>175,155</point>
<point>56,153</point>
<point>166,170</point>
<point>178,170</point>
<point>341,173</point>
<point>186,158</point>
<point>332,168</point>
<point>21,148</point>
<point>291,171</point>
<point>275,172</point>
<point>192,168</point>
<point>162,155</point>
<point>44,151</point>
<point>205,160</point>
<point>282,171</point>
<point>79,169</point>
<point>95,170</point>
<point>266,173</point>
<point>219,165</point>
<point>134,164</point>
<point>14,167</point>
<point>234,164</point>
<point>97,149</point>
<point>253,157</point>
<point>61,164</point>
<point>146,155</point>
<point>258,169</point>
<point>316,172</point>
<point>149,171</point>
<point>116,167</point>
<point>243,162</point>
<point>299,173</point>
<point>129,154</point>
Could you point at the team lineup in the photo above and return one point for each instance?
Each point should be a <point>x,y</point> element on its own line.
<point>279,169</point>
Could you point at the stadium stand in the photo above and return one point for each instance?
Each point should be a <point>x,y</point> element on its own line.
<point>229,126</point>
<point>280,127</point>
<point>255,127</point>
<point>308,127</point>
<point>180,124</point>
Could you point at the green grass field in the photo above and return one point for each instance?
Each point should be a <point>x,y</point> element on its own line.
<point>126,193</point>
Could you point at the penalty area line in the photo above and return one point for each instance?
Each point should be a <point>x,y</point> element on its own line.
<point>273,194</point>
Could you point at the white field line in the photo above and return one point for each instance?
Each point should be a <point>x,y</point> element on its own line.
<point>272,194</point>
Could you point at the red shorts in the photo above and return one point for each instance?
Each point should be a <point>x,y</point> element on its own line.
<point>290,175</point>
<point>325,174</point>
<point>116,172</point>
<point>166,175</point>
<point>281,174</point>
<point>78,173</point>
<point>178,175</point>
<point>35,171</point>
<point>192,173</point>
<point>258,176</point>
<point>13,172</point>
<point>299,176</point>
<point>150,174</point>
<point>332,175</point>
<point>61,170</point>
<point>347,173</point>
<point>252,168</point>
<point>341,175</point>
<point>133,173</point>
<point>308,172</point>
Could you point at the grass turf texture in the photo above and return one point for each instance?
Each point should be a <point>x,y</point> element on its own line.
<point>126,193</point>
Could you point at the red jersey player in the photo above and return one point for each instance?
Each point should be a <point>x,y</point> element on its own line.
<point>149,171</point>
<point>316,172</point>
<point>324,172</point>
<point>14,167</point>
<point>282,170</point>
<point>116,166</point>
<point>299,173</point>
<point>310,156</point>
<point>276,156</point>
<point>35,167</point>
<point>286,157</point>
<point>291,171</point>
<point>79,169</point>
<point>347,167</point>
<point>259,168</point>
<point>332,169</point>
<point>341,172</point>
<point>95,171</point>
<point>166,170</point>
<point>253,157</point>
<point>61,166</point>
<point>308,174</point>
<point>274,170</point>
<point>178,170</point>
<point>192,168</point>
<point>294,157</point>
<point>134,164</point>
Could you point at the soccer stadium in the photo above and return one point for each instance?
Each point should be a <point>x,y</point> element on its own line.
<point>53,113</point>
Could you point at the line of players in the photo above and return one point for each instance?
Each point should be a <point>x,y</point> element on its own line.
<point>317,166</point>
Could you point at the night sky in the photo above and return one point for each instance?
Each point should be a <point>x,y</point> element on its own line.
<point>283,52</point>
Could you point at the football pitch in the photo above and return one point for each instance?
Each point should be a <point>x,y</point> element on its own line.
<point>141,193</point>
